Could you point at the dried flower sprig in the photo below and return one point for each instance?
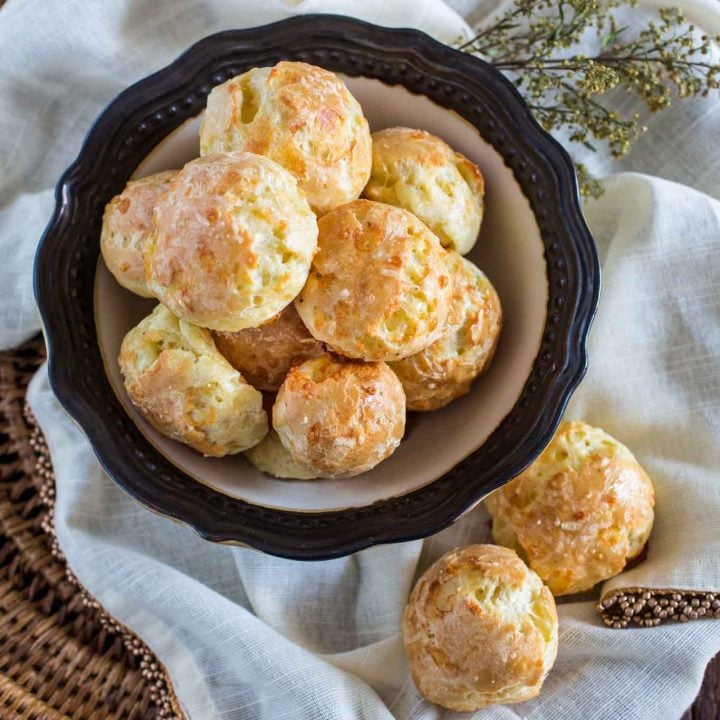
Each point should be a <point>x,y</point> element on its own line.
<point>534,43</point>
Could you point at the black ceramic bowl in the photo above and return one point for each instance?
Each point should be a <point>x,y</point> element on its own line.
<point>534,246</point>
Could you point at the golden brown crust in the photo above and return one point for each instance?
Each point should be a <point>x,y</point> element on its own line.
<point>339,419</point>
<point>421,173</point>
<point>264,355</point>
<point>301,116</point>
<point>445,370</point>
<point>186,389</point>
<point>379,287</point>
<point>479,628</point>
<point>126,230</point>
<point>233,242</point>
<point>579,512</point>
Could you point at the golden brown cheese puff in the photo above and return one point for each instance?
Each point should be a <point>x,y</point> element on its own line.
<point>186,389</point>
<point>264,355</point>
<point>480,628</point>
<point>234,238</point>
<point>423,174</point>
<point>579,513</point>
<point>126,229</point>
<point>445,370</point>
<point>301,116</point>
<point>340,419</point>
<point>379,287</point>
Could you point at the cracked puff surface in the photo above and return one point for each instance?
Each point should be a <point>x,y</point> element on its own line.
<point>263,355</point>
<point>233,242</point>
<point>126,229</point>
<point>480,628</point>
<point>340,418</point>
<point>579,513</point>
<point>186,389</point>
<point>423,174</point>
<point>301,116</point>
<point>379,287</point>
<point>445,370</point>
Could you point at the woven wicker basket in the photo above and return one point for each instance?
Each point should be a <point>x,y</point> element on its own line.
<point>61,655</point>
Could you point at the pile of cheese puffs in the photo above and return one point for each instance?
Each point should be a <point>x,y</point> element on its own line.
<point>310,277</point>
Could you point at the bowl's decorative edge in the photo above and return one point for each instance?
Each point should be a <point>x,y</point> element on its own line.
<point>147,111</point>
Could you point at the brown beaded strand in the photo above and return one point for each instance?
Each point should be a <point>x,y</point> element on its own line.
<point>640,607</point>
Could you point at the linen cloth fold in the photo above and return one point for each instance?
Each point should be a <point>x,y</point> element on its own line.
<point>244,635</point>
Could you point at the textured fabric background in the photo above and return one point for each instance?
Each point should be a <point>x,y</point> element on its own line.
<point>248,636</point>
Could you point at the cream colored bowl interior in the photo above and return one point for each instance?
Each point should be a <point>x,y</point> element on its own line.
<point>509,251</point>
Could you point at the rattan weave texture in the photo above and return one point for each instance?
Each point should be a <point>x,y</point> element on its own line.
<point>61,655</point>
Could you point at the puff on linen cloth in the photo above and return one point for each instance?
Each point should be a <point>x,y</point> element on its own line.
<point>248,636</point>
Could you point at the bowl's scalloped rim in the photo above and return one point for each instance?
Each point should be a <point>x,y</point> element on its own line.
<point>164,488</point>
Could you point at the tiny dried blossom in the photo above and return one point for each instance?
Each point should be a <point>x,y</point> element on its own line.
<point>533,43</point>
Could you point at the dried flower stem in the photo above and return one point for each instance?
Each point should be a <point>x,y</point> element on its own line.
<point>533,43</point>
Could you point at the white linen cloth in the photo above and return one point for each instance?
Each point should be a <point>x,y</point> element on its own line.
<point>244,635</point>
